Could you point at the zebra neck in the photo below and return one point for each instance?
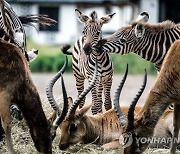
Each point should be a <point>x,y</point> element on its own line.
<point>97,55</point>
<point>154,46</point>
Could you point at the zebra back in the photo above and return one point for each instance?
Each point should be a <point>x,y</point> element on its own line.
<point>150,41</point>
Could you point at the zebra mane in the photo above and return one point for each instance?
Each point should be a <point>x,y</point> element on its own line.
<point>93,15</point>
<point>162,26</point>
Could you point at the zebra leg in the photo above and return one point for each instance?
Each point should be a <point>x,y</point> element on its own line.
<point>80,87</point>
<point>176,125</point>
<point>97,99</point>
<point>107,94</point>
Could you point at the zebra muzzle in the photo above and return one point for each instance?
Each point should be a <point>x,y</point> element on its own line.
<point>87,49</point>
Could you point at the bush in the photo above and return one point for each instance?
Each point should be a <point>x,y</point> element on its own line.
<point>136,64</point>
<point>47,63</point>
<point>51,59</point>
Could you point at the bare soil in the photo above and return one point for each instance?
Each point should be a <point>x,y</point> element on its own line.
<point>129,91</point>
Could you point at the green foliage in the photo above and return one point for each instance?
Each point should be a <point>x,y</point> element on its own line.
<point>137,65</point>
<point>51,59</point>
<point>46,63</point>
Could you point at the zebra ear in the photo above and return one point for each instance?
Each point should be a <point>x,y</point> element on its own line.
<point>139,30</point>
<point>143,17</point>
<point>70,101</point>
<point>106,18</point>
<point>81,16</point>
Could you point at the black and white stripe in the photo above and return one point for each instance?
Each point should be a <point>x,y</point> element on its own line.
<point>83,68</point>
<point>15,24</point>
<point>150,41</point>
<point>84,57</point>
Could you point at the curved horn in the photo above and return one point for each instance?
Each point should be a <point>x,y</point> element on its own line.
<point>117,108</point>
<point>49,88</point>
<point>84,93</point>
<point>134,102</point>
<point>61,117</point>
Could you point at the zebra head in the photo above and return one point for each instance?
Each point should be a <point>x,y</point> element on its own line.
<point>124,39</point>
<point>92,29</point>
<point>129,130</point>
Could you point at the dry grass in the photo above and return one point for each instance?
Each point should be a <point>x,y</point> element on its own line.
<point>23,143</point>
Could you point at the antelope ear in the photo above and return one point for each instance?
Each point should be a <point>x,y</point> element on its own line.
<point>106,19</point>
<point>84,109</point>
<point>70,101</point>
<point>53,117</point>
<point>143,17</point>
<point>139,30</point>
<point>81,16</point>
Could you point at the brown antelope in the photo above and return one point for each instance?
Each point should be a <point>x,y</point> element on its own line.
<point>16,87</point>
<point>79,127</point>
<point>164,92</point>
<point>103,128</point>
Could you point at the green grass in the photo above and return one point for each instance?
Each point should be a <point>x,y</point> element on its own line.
<point>51,59</point>
<point>44,50</point>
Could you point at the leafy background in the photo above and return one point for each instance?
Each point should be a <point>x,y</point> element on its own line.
<point>51,59</point>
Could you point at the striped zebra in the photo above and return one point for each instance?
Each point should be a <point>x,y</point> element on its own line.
<point>150,41</point>
<point>13,25</point>
<point>83,59</point>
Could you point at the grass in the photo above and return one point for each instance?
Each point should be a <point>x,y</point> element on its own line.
<point>43,49</point>
<point>23,143</point>
<point>50,59</point>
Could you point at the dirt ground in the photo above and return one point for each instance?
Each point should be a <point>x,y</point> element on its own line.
<point>22,141</point>
<point>129,91</point>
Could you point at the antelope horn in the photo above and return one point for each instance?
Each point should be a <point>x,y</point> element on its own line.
<point>134,102</point>
<point>84,93</point>
<point>117,108</point>
<point>61,117</point>
<point>49,88</point>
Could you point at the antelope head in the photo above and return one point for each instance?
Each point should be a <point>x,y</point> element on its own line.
<point>128,138</point>
<point>70,122</point>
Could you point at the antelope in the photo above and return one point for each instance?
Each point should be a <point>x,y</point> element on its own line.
<point>13,27</point>
<point>103,128</point>
<point>164,92</point>
<point>17,87</point>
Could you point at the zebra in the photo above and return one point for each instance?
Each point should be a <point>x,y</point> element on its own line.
<point>13,26</point>
<point>12,30</point>
<point>83,60</point>
<point>150,41</point>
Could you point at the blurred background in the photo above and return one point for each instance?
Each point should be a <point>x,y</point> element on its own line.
<point>48,40</point>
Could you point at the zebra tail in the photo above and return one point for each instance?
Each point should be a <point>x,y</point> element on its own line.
<point>65,49</point>
<point>41,19</point>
